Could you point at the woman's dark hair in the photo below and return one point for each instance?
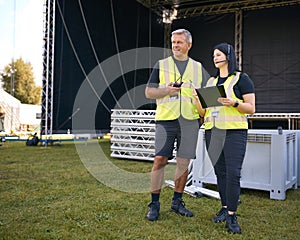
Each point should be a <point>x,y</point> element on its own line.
<point>228,50</point>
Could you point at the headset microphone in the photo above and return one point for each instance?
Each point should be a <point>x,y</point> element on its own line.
<point>222,61</point>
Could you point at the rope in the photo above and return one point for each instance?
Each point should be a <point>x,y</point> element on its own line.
<point>149,33</point>
<point>136,47</point>
<point>117,47</point>
<point>77,58</point>
<point>95,54</point>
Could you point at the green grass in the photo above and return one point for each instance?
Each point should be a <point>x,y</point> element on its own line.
<point>47,193</point>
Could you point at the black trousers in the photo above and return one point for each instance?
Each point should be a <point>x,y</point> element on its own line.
<point>226,149</point>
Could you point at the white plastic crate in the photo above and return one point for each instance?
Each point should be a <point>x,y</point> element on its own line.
<point>270,164</point>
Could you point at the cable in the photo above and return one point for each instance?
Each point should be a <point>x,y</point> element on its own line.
<point>13,55</point>
<point>149,33</point>
<point>77,58</point>
<point>117,47</point>
<point>95,54</point>
<point>136,47</point>
<point>150,23</point>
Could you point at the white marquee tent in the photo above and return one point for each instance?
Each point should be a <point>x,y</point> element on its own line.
<point>18,116</point>
<point>11,108</point>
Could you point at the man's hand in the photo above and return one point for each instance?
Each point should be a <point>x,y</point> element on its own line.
<point>173,91</point>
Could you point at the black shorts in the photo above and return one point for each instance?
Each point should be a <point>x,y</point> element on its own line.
<point>184,131</point>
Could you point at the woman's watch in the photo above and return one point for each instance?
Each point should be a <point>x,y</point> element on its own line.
<point>236,104</point>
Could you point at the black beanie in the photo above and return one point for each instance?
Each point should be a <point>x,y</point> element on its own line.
<point>228,50</point>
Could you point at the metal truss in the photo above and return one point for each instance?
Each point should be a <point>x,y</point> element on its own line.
<point>167,40</point>
<point>133,134</point>
<point>48,66</point>
<point>155,6</point>
<point>132,117</point>
<point>238,37</point>
<point>293,119</point>
<point>229,7</point>
<point>194,8</point>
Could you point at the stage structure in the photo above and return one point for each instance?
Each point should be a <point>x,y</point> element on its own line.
<point>175,10</point>
<point>80,35</point>
<point>48,63</point>
<point>132,134</point>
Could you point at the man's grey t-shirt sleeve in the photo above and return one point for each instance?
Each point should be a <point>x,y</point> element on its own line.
<point>153,81</point>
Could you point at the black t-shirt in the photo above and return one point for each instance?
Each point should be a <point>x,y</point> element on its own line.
<point>181,66</point>
<point>154,77</point>
<point>243,86</point>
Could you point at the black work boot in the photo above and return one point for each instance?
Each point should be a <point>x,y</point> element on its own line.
<point>178,206</point>
<point>153,212</point>
<point>220,216</point>
<point>232,224</point>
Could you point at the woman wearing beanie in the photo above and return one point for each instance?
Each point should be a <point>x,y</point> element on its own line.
<point>226,129</point>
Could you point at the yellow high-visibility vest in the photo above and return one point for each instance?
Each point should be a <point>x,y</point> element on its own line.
<point>171,107</point>
<point>225,117</point>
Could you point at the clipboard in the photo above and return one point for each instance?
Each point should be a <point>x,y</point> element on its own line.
<point>208,96</point>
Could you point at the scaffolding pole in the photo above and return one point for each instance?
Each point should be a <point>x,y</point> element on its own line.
<point>48,67</point>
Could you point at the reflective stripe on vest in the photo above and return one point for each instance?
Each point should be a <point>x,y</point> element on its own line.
<point>171,107</point>
<point>225,117</point>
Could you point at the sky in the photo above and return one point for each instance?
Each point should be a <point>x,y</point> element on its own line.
<point>21,26</point>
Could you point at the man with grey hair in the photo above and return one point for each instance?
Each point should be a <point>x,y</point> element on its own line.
<point>171,83</point>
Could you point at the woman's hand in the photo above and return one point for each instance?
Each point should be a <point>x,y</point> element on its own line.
<point>247,106</point>
<point>197,103</point>
<point>226,101</point>
<point>195,95</point>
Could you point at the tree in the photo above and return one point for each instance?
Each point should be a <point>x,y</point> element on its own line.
<point>25,88</point>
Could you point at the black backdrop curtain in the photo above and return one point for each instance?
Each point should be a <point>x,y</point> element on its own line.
<point>114,26</point>
<point>271,51</point>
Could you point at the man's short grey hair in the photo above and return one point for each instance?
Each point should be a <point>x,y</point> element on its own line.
<point>184,31</point>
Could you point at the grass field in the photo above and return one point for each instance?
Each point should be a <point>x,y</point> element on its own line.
<point>47,193</point>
